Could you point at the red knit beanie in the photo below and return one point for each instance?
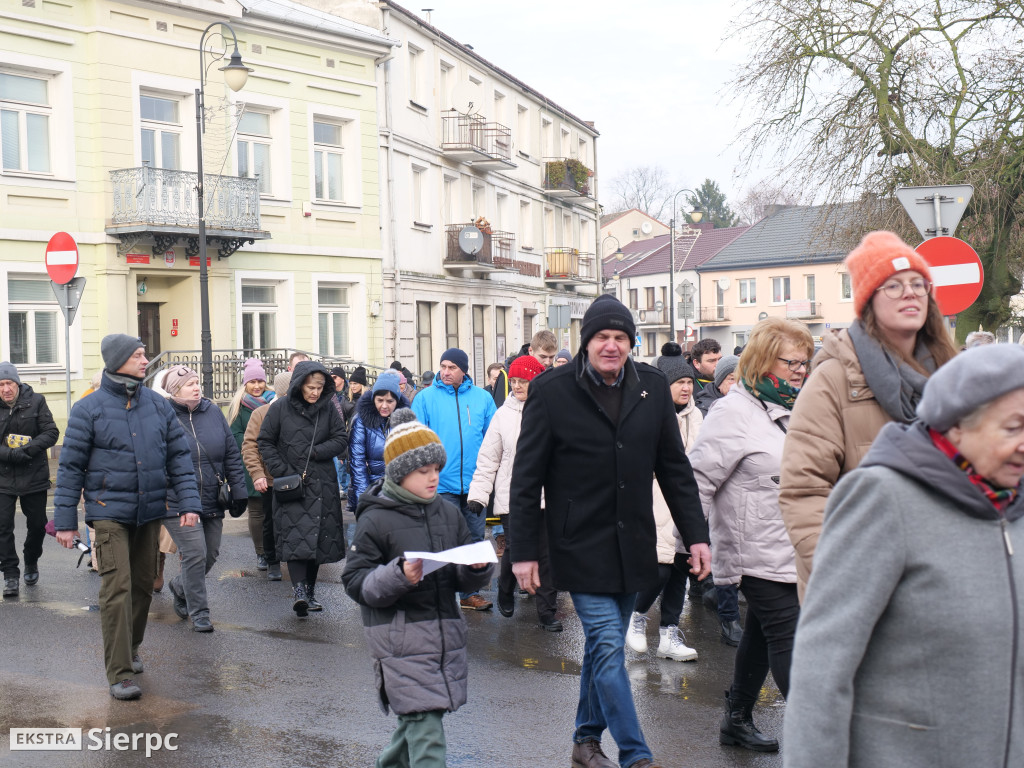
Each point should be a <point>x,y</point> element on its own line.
<point>879,256</point>
<point>526,367</point>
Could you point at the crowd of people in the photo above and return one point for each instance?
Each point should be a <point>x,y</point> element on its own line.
<point>860,498</point>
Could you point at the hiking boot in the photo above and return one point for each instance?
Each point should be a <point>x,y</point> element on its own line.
<point>737,729</point>
<point>180,603</point>
<point>311,600</point>
<point>125,690</point>
<point>31,575</point>
<point>274,571</point>
<point>475,603</point>
<point>673,646</point>
<point>137,664</point>
<point>588,754</point>
<point>732,632</point>
<point>11,587</point>
<point>636,635</point>
<point>301,604</point>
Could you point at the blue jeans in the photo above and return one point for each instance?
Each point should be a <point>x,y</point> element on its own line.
<point>477,523</point>
<point>606,700</point>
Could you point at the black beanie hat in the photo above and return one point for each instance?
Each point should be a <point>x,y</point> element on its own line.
<point>358,376</point>
<point>606,313</point>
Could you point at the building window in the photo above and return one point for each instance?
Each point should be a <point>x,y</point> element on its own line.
<point>634,298</point>
<point>523,129</point>
<point>332,319</point>
<point>451,326</point>
<point>846,287</point>
<point>780,290</point>
<point>328,160</point>
<point>529,321</point>
<point>259,317</point>
<point>25,123</point>
<point>739,338</point>
<point>500,337</point>
<point>525,224</point>
<point>161,131</point>
<point>501,212</point>
<point>32,317</point>
<point>652,343</point>
<point>419,176</point>
<point>478,200</point>
<point>499,108</point>
<point>423,335</point>
<point>748,292</point>
<point>810,287</point>
<point>478,343</point>
<point>649,298</point>
<point>547,133</point>
<point>253,148</point>
<point>416,76</point>
<point>449,199</point>
<point>444,87</point>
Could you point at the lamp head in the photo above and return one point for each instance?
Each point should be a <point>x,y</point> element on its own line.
<point>696,215</point>
<point>619,255</point>
<point>235,72</point>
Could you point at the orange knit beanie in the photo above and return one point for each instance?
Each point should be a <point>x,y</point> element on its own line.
<point>879,256</point>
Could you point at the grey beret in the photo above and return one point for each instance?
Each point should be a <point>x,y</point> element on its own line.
<point>725,366</point>
<point>992,370</point>
<point>117,348</point>
<point>675,368</point>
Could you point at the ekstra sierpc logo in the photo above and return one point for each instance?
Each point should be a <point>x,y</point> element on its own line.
<point>94,740</point>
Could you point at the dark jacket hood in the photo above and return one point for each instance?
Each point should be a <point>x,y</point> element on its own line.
<point>299,375</point>
<point>375,498</point>
<point>908,449</point>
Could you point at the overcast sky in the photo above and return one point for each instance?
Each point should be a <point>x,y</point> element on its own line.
<point>651,74</point>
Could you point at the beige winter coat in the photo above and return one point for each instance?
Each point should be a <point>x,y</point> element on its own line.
<point>736,462</point>
<point>496,456</point>
<point>690,420</point>
<point>834,422</point>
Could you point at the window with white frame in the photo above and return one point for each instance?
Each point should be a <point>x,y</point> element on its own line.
<point>748,291</point>
<point>739,338</point>
<point>652,343</point>
<point>501,222</point>
<point>583,152</point>
<point>547,133</point>
<point>25,113</point>
<point>525,224</point>
<point>846,286</point>
<point>33,322</point>
<point>523,129</point>
<point>500,326</point>
<point>449,199</point>
<point>810,287</point>
<point>419,180</point>
<point>499,107</point>
<point>253,148</point>
<point>332,319</point>
<point>451,325</point>
<point>549,227</point>
<point>424,345</point>
<point>564,145</point>
<point>478,200</point>
<point>161,130</point>
<point>416,75</point>
<point>446,76</point>
<point>259,316</point>
<point>329,160</point>
<point>780,290</point>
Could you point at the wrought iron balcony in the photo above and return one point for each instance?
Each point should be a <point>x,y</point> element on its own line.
<point>161,204</point>
<point>718,314</point>
<point>568,179</point>
<point>567,266</point>
<point>497,253</point>
<point>473,140</point>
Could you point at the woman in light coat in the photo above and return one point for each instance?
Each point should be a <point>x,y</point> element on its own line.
<point>737,461</point>
<point>868,375</point>
<point>921,664</point>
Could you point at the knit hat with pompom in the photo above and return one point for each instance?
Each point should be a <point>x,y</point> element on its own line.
<point>410,445</point>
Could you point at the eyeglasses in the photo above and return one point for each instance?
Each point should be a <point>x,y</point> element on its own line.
<point>894,289</point>
<point>795,365</point>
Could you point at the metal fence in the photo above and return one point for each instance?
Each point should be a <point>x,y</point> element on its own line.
<point>474,133</point>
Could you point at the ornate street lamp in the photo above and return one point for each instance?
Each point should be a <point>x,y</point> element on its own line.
<point>696,215</point>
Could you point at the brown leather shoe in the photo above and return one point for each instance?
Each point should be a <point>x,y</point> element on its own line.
<point>475,603</point>
<point>588,754</point>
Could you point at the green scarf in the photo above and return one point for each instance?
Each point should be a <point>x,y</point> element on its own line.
<point>394,491</point>
<point>771,390</point>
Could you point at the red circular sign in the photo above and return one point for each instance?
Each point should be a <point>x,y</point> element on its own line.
<point>62,258</point>
<point>957,273</point>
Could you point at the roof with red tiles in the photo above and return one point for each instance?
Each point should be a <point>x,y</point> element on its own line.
<point>651,256</point>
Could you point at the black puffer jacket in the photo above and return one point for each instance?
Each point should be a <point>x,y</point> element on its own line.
<point>416,634</point>
<point>214,452</point>
<point>310,528</point>
<point>28,416</point>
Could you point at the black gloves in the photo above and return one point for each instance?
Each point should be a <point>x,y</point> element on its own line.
<point>17,456</point>
<point>476,507</point>
<point>238,507</point>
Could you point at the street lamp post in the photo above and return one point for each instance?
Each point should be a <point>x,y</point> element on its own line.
<point>235,75</point>
<point>619,256</point>
<point>696,216</point>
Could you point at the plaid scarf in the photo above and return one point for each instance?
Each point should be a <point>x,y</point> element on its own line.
<point>1001,498</point>
<point>251,402</point>
<point>771,390</point>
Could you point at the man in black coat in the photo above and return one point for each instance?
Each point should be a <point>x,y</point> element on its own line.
<point>593,434</point>
<point>26,432</point>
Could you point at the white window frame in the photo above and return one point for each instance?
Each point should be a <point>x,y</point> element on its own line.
<point>415,73</point>
<point>446,75</point>
<point>500,103</point>
<point>280,146</point>
<point>250,141</point>
<point>284,295</point>
<point>351,151</point>
<point>747,286</point>
<point>22,110</point>
<point>450,202</point>
<point>272,310</point>
<point>781,286</point>
<point>161,128</point>
<point>524,129</point>
<point>526,224</point>
<point>31,370</point>
<point>164,86</point>
<point>810,287</point>
<point>60,96</point>
<point>358,332</point>
<point>419,210</point>
<point>327,347</point>
<point>845,287</point>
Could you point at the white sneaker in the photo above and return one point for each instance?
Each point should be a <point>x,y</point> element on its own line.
<point>636,636</point>
<point>672,646</point>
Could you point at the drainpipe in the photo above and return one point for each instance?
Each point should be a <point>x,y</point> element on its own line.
<point>390,261</point>
<point>598,256</point>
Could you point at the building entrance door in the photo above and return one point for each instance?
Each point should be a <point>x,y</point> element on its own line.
<point>149,327</point>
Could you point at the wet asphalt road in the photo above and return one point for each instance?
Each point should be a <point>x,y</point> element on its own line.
<point>269,689</point>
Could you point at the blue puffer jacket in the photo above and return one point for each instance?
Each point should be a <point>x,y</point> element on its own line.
<point>124,452</point>
<point>460,417</point>
<point>366,442</point>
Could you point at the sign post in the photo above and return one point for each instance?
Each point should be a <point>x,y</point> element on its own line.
<point>62,265</point>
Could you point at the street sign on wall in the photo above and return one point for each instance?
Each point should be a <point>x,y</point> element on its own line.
<point>957,273</point>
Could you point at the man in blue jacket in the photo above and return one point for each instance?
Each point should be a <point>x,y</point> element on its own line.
<point>123,447</point>
<point>459,413</point>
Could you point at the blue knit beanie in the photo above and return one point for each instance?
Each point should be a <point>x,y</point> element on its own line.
<point>458,357</point>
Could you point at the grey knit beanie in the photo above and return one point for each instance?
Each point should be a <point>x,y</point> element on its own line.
<point>410,445</point>
<point>117,348</point>
<point>9,373</point>
<point>282,381</point>
<point>725,366</point>
<point>994,370</point>
<point>675,368</point>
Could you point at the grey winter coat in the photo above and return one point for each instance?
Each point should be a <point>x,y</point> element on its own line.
<point>416,634</point>
<point>26,470</point>
<point>311,527</point>
<point>908,651</point>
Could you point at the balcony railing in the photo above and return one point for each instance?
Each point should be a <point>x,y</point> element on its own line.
<point>803,308</point>
<point>567,178</point>
<point>652,316</point>
<point>473,139</point>
<point>498,252</point>
<point>568,265</point>
<point>713,315</point>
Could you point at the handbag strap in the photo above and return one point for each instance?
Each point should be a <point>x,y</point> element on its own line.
<point>311,442</point>
<point>203,453</point>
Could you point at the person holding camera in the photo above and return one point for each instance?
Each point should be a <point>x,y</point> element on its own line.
<point>218,466</point>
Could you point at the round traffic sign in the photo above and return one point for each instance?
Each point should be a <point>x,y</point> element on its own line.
<point>62,258</point>
<point>957,273</point>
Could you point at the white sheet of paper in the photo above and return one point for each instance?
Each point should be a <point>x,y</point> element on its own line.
<point>467,554</point>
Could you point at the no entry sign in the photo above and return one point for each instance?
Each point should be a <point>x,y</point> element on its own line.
<point>957,274</point>
<point>62,258</point>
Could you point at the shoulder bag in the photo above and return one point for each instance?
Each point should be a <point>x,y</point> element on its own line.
<point>289,487</point>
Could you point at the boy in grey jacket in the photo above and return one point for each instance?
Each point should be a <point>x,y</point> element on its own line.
<point>420,669</point>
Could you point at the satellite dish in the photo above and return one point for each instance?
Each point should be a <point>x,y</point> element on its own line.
<point>724,283</point>
<point>646,228</point>
<point>464,99</point>
<point>471,240</point>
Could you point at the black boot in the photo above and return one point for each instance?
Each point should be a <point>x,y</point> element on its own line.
<point>301,604</point>
<point>311,600</point>
<point>738,730</point>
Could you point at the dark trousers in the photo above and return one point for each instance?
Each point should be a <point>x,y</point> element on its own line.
<point>269,546</point>
<point>303,571</point>
<point>33,506</point>
<point>728,602</point>
<point>547,595</point>
<point>477,523</point>
<point>255,513</point>
<point>767,643</point>
<point>672,588</point>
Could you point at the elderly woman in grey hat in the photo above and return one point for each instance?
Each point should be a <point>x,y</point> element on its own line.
<point>920,663</point>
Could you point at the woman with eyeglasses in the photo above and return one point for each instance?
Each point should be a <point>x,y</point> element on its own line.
<point>737,460</point>
<point>868,375</point>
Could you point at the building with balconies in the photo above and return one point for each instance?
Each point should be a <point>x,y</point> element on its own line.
<point>491,216</point>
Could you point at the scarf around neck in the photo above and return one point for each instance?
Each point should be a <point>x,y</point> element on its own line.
<point>251,402</point>
<point>1001,498</point>
<point>191,404</point>
<point>393,490</point>
<point>770,390</point>
<point>896,386</point>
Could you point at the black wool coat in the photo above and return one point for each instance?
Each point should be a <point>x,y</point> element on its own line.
<point>311,527</point>
<point>596,477</point>
<point>29,416</point>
